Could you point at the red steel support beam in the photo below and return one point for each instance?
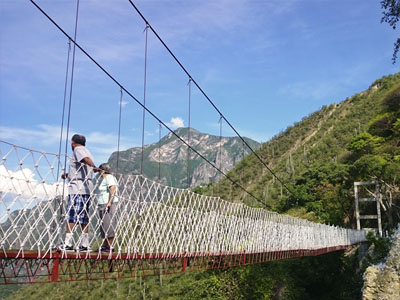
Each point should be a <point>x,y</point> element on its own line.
<point>54,273</point>
<point>60,267</point>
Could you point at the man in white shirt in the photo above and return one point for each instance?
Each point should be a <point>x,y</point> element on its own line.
<point>80,189</point>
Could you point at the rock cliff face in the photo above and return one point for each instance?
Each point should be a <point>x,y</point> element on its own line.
<point>383,282</point>
<point>168,158</point>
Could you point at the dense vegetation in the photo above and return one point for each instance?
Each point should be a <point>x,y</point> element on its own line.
<point>321,157</point>
<point>318,159</point>
<point>304,278</point>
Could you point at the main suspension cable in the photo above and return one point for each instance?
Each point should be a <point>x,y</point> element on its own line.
<point>143,106</point>
<point>209,100</point>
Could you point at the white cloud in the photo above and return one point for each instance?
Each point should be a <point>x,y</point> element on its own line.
<point>23,182</point>
<point>102,138</point>
<point>175,123</point>
<point>44,134</point>
<point>22,189</point>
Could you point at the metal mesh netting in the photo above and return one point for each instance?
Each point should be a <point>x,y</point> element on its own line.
<point>150,218</point>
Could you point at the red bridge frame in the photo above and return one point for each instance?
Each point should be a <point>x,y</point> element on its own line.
<point>62,267</point>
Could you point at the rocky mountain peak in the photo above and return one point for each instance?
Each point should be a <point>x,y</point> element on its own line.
<point>167,160</point>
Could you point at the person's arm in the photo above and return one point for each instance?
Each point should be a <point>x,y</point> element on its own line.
<point>86,160</point>
<point>112,189</point>
<point>89,162</point>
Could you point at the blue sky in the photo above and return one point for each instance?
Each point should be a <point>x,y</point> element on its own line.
<point>265,64</point>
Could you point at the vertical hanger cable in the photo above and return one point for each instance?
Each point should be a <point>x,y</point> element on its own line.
<point>188,133</point>
<point>119,127</point>
<point>144,95</point>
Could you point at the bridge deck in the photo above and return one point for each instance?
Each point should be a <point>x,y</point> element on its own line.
<point>37,267</point>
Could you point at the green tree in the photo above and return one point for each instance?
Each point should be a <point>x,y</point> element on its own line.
<point>364,143</point>
<point>369,166</point>
<point>391,15</point>
<point>323,190</point>
<point>396,127</point>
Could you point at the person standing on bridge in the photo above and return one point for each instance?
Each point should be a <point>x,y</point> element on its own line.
<point>80,189</point>
<point>107,202</point>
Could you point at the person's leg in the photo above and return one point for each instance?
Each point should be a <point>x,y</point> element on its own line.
<point>105,244</point>
<point>84,220</point>
<point>106,227</point>
<point>70,226</point>
<point>111,225</point>
<point>85,236</point>
<point>71,213</point>
<point>102,208</point>
<point>69,235</point>
<point>110,241</point>
<point>85,228</point>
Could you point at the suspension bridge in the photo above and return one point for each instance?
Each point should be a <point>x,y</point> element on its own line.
<point>158,229</point>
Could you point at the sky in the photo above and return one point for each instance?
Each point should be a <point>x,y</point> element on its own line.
<point>265,64</point>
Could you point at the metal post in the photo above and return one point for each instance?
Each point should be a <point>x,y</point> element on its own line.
<point>378,208</point>
<point>54,273</point>
<point>356,204</point>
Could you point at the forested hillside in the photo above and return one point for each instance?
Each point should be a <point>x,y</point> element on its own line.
<point>318,159</point>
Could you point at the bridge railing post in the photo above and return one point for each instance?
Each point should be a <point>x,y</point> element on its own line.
<point>55,269</point>
<point>184,262</point>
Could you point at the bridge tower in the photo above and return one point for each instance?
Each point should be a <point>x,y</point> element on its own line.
<point>364,195</point>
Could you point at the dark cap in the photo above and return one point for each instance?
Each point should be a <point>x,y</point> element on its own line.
<point>106,168</point>
<point>79,139</point>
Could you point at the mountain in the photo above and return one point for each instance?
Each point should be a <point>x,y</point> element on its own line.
<point>168,158</point>
<point>319,158</point>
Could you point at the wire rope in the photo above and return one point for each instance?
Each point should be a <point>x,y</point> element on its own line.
<point>159,152</point>
<point>220,148</point>
<point>141,104</point>
<point>188,133</point>
<point>144,95</point>
<point>209,100</point>
<point>70,100</point>
<point>62,129</point>
<point>119,126</point>
<point>72,79</point>
<point>63,110</point>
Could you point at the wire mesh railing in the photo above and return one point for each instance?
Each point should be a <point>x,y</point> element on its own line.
<point>149,218</point>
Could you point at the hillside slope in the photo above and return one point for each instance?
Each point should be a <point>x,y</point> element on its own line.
<point>320,142</point>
